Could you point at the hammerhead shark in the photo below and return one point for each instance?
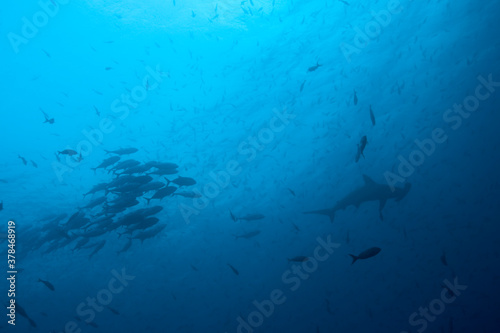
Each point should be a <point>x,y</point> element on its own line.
<point>370,191</point>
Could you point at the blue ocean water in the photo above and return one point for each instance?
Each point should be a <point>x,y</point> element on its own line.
<point>250,166</point>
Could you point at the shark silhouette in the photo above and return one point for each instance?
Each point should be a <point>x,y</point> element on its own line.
<point>370,191</point>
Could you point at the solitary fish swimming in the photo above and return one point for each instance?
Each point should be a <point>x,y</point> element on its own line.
<point>371,252</point>
<point>315,67</point>
<point>361,148</point>
<point>22,159</point>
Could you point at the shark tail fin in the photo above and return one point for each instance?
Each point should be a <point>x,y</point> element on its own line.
<point>328,212</point>
<point>354,258</point>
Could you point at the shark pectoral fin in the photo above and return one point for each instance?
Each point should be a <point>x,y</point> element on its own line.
<point>328,212</point>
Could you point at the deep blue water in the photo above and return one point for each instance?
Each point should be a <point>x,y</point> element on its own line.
<point>262,109</point>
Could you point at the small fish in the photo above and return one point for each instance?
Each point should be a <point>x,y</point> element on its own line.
<point>291,191</point>
<point>46,53</point>
<point>69,152</point>
<point>371,252</point>
<point>182,181</point>
<point>235,271</point>
<point>1,205</point>
<point>23,159</point>
<point>47,284</point>
<point>34,164</point>
<point>443,259</point>
<point>193,14</point>
<point>315,67</point>
<point>295,227</point>
<point>345,2</point>
<point>113,310</point>
<point>123,151</point>
<point>248,217</point>
<point>23,313</point>
<point>372,116</point>
<point>355,98</point>
<point>194,268</point>
<point>108,68</point>
<point>107,163</point>
<point>298,259</point>
<point>97,112</point>
<point>47,118</point>
<point>361,148</point>
<point>302,86</point>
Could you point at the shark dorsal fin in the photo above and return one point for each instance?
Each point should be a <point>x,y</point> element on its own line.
<point>368,180</point>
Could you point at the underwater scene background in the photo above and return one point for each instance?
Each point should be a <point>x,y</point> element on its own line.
<point>250,166</point>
